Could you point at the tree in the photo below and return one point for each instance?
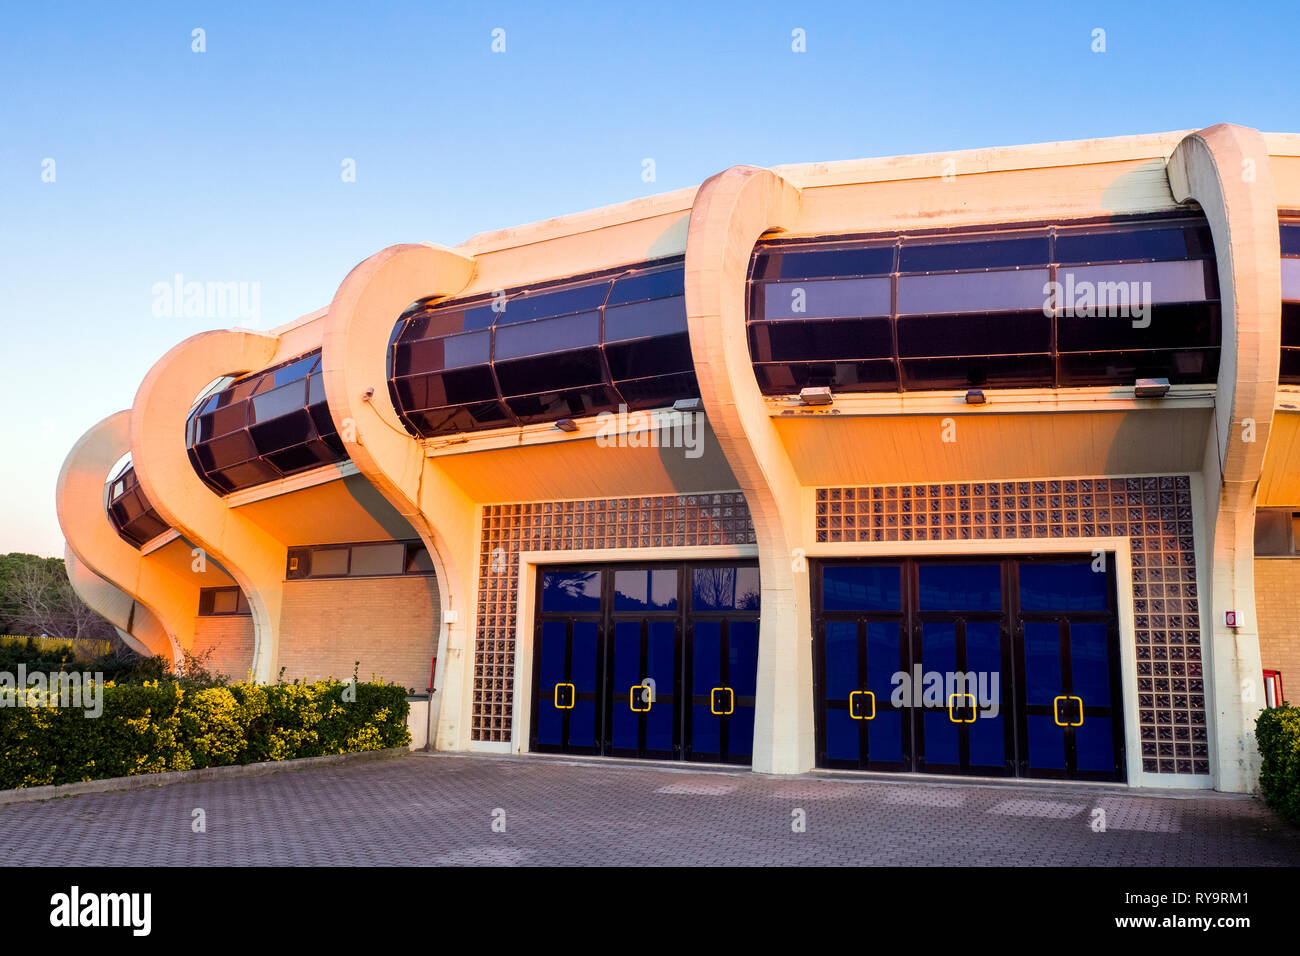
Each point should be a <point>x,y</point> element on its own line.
<point>36,597</point>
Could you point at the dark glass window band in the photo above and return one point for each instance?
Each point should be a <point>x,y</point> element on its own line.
<point>130,512</point>
<point>572,348</point>
<point>265,426</point>
<point>974,308</point>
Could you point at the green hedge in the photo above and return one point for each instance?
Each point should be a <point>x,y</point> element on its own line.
<point>162,726</point>
<point>1278,732</point>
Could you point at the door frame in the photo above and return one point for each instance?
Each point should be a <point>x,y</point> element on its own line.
<point>525,585</point>
<point>1115,549</point>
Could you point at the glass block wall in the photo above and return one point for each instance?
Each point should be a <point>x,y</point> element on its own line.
<point>1155,513</point>
<point>677,521</point>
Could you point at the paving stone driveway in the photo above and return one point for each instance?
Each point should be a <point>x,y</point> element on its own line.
<point>437,809</point>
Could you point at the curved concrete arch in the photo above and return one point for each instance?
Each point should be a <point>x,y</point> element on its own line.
<point>732,210</point>
<point>252,556</point>
<point>138,627</point>
<point>354,364</point>
<point>1226,170</point>
<point>91,537</point>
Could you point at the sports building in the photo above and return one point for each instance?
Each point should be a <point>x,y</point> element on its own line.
<point>983,463</point>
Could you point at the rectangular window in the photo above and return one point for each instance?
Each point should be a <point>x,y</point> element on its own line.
<point>216,602</point>
<point>372,560</point>
<point>1275,532</point>
<point>827,299</point>
<point>362,560</point>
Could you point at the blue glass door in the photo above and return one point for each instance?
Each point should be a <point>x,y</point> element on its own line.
<point>988,667</point>
<point>722,663</point>
<point>859,648</point>
<point>643,692</point>
<point>656,661</point>
<point>960,679</point>
<point>1068,653</point>
<point>567,663</point>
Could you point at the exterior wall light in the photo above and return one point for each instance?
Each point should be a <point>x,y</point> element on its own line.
<point>1151,388</point>
<point>688,405</point>
<point>975,397</point>
<point>567,425</point>
<point>821,395</point>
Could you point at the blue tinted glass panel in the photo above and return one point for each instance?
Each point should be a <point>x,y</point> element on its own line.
<point>471,348</point>
<point>660,667</point>
<point>742,662</point>
<point>1020,290</point>
<point>939,655</point>
<point>1090,664</point>
<point>883,646</point>
<point>960,587</point>
<point>644,589</point>
<point>885,736</point>
<point>582,719</point>
<point>706,655</point>
<point>1122,289</point>
<point>296,370</point>
<point>941,740</point>
<point>1072,586</point>
<point>869,261</point>
<point>740,732</point>
<point>1290,238</point>
<point>973,254</point>
<point>1095,745</point>
<point>546,337</point>
<point>523,308</point>
<point>652,285</point>
<point>1113,246</point>
<point>1046,743</point>
<point>1291,280</point>
<point>627,673</point>
<point>724,589</point>
<point>841,650</point>
<point>984,663</point>
<point>841,735</point>
<point>862,588</point>
<point>551,656</point>
<point>1042,662</point>
<point>644,319</point>
<point>571,591</point>
<point>280,401</point>
<point>842,298</point>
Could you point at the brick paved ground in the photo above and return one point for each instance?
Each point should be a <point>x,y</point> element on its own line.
<point>437,809</point>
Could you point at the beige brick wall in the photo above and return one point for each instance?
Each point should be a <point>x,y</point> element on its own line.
<point>390,625</point>
<point>231,641</point>
<point>1277,604</point>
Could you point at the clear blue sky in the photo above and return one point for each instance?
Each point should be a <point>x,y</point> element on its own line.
<point>225,166</point>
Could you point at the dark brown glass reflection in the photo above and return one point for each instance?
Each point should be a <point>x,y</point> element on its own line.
<point>566,349</point>
<point>265,426</point>
<point>971,308</point>
<point>130,512</point>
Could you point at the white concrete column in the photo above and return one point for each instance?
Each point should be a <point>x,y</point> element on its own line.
<point>354,361</point>
<point>1226,170</point>
<point>247,551</point>
<point>731,211</point>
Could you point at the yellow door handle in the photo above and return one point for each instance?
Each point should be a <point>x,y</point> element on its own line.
<point>715,699</point>
<point>855,712</point>
<point>570,695</point>
<point>1056,711</point>
<point>973,711</point>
